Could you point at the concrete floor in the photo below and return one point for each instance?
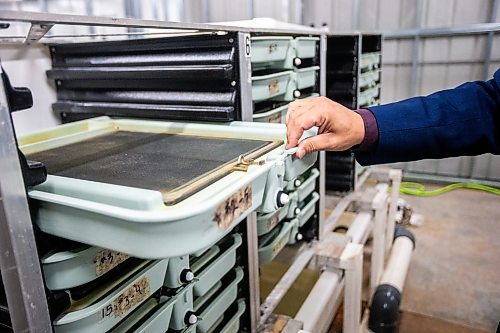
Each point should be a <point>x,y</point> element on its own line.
<point>453,284</point>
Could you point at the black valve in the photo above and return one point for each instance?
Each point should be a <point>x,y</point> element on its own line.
<point>18,98</point>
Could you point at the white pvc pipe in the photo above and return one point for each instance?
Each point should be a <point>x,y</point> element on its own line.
<point>319,308</point>
<point>399,261</point>
<point>360,228</point>
<point>395,176</point>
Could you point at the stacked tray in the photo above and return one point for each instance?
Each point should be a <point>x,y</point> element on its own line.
<point>370,70</point>
<point>135,302</point>
<point>212,306</point>
<point>370,61</point>
<point>115,196</point>
<point>106,310</point>
<point>135,262</point>
<point>76,267</point>
<point>282,52</point>
<point>184,78</point>
<point>283,69</point>
<point>277,112</point>
<point>353,80</point>
<point>275,230</point>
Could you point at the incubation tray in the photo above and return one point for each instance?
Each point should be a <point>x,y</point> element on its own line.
<point>157,189</point>
<point>172,164</point>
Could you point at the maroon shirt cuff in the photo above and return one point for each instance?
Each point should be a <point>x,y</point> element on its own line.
<point>371,130</point>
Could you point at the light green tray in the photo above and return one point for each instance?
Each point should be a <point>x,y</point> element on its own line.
<point>69,269</point>
<point>306,77</point>
<point>369,96</point>
<point>200,301</point>
<point>305,47</point>
<point>217,268</point>
<point>277,115</point>
<point>277,86</point>
<point>233,324</point>
<point>369,79</point>
<point>272,52</point>
<point>156,322</point>
<point>220,304</point>
<point>267,222</point>
<point>135,221</point>
<point>109,311</point>
<point>305,214</point>
<point>272,243</point>
<point>370,60</point>
<point>307,186</point>
<point>308,210</point>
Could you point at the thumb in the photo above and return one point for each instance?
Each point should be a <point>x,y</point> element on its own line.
<point>315,143</point>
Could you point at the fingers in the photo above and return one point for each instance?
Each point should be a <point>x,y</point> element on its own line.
<point>300,123</point>
<point>301,117</point>
<point>299,106</point>
<point>316,143</point>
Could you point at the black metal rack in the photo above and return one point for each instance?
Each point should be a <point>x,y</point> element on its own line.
<point>180,78</point>
<point>344,85</point>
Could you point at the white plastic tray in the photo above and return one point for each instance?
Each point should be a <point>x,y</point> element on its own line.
<point>277,86</point>
<point>135,221</point>
<point>69,269</point>
<point>277,116</point>
<point>272,243</point>
<point>305,47</point>
<point>156,322</point>
<point>306,77</point>
<point>217,268</point>
<point>220,304</point>
<point>233,324</point>
<point>109,311</point>
<point>271,51</point>
<point>370,60</point>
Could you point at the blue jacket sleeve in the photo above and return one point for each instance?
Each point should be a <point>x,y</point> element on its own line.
<point>448,123</point>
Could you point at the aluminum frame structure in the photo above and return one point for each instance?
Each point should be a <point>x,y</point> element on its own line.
<point>48,20</point>
<point>30,291</point>
<point>19,263</point>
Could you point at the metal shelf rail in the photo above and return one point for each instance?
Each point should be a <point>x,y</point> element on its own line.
<point>19,263</point>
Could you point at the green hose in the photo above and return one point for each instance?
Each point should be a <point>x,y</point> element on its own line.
<point>419,189</point>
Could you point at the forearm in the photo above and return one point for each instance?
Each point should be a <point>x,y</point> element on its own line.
<point>460,121</point>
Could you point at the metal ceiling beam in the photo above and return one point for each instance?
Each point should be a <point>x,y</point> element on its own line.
<point>470,29</point>
<point>65,19</point>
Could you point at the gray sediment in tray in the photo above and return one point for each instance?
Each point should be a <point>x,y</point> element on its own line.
<point>175,165</point>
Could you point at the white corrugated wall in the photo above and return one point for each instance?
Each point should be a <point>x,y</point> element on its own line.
<point>440,62</point>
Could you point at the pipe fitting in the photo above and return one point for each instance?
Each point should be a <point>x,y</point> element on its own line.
<point>400,231</point>
<point>384,310</point>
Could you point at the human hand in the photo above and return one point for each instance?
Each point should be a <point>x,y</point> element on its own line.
<point>339,127</point>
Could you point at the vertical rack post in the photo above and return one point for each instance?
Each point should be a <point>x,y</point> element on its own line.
<point>245,75</point>
<point>19,262</point>
<point>253,271</point>
<point>322,154</point>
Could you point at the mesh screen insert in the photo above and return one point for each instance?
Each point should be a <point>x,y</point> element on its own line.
<point>163,162</point>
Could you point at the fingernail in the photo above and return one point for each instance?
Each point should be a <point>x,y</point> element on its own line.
<point>300,153</point>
